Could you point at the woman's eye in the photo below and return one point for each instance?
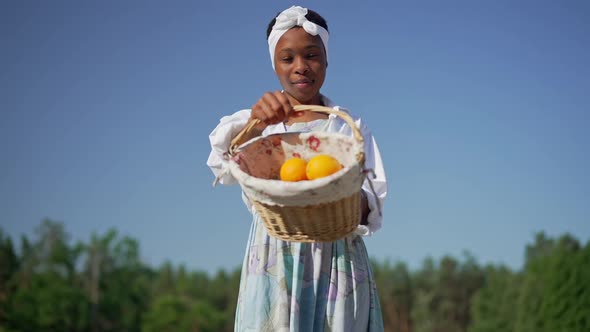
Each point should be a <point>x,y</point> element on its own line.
<point>287,59</point>
<point>312,55</point>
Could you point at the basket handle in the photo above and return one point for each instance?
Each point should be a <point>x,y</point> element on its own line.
<point>315,108</point>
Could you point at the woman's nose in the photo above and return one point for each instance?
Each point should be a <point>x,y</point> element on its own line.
<point>301,66</point>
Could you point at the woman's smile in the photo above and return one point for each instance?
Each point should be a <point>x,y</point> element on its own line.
<point>303,83</point>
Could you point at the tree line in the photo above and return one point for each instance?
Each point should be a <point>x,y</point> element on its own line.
<point>49,283</point>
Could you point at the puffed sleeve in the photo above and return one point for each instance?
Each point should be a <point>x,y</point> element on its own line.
<point>220,138</point>
<point>375,186</point>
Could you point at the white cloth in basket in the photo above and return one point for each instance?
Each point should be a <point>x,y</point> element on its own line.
<point>229,126</point>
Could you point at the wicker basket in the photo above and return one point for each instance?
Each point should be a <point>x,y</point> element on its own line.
<point>320,210</point>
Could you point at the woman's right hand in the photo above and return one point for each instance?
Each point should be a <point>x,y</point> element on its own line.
<point>271,108</point>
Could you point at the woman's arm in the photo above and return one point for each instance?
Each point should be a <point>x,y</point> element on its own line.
<point>220,139</point>
<point>364,208</point>
<point>374,189</point>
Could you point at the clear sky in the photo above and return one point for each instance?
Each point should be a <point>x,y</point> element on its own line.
<point>481,110</point>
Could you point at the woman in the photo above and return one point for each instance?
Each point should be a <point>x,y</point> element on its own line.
<point>293,286</point>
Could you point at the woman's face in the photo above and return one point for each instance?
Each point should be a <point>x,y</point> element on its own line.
<point>300,65</point>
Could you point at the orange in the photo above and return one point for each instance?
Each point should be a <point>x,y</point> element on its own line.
<point>293,170</point>
<point>322,165</point>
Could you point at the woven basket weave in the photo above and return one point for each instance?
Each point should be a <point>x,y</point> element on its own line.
<point>321,210</point>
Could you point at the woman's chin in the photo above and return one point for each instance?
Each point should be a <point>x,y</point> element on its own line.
<point>304,97</point>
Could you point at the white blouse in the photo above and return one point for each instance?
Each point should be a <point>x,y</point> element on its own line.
<point>229,126</point>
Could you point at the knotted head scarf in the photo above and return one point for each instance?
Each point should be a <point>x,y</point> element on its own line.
<point>294,16</point>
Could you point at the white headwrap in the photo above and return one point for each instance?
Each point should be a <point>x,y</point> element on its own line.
<point>294,16</point>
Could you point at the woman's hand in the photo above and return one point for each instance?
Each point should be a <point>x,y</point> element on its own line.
<point>271,108</point>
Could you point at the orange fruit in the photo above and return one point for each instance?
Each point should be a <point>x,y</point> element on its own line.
<point>293,170</point>
<point>322,165</point>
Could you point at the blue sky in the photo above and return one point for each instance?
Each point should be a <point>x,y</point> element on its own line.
<point>480,109</point>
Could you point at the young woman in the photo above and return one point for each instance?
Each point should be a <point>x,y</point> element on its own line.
<point>293,286</point>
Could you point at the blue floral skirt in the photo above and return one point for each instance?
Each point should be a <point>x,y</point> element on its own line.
<point>291,286</point>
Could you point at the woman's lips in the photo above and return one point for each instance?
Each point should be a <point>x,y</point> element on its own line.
<point>303,83</point>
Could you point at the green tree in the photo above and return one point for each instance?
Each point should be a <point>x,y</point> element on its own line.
<point>555,295</point>
<point>444,294</point>
<point>116,281</point>
<point>174,313</point>
<point>168,313</point>
<point>534,283</point>
<point>396,295</point>
<point>9,264</point>
<point>566,301</point>
<point>48,296</point>
<point>165,280</point>
<point>50,303</point>
<point>493,308</point>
